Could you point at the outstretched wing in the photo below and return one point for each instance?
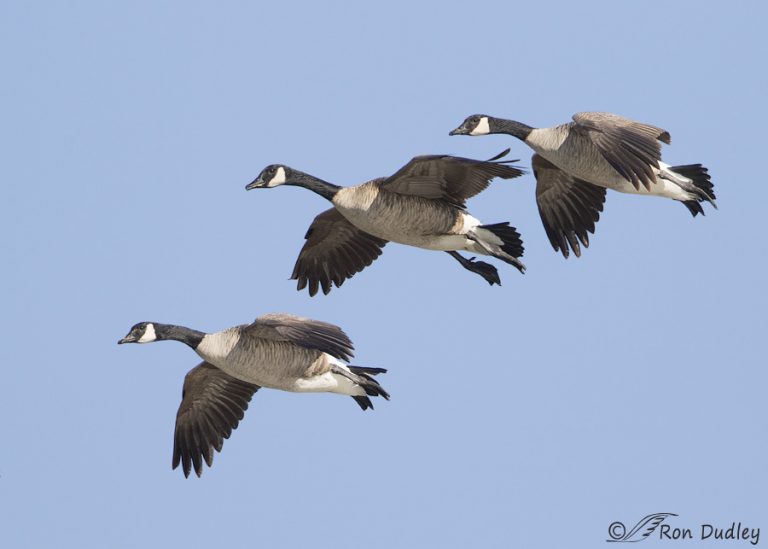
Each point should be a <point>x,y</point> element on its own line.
<point>632,148</point>
<point>449,178</point>
<point>305,332</point>
<point>212,405</point>
<point>334,251</point>
<point>569,207</point>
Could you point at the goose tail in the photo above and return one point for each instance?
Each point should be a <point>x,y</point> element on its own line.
<point>507,244</point>
<point>363,377</point>
<point>699,184</point>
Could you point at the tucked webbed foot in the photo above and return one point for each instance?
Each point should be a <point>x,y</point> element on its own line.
<point>486,270</point>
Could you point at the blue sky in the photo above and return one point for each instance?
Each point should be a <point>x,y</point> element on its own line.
<point>587,391</point>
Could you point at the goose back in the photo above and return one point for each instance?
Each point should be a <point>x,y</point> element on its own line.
<point>406,219</point>
<point>604,149</point>
<point>264,362</point>
<point>575,153</point>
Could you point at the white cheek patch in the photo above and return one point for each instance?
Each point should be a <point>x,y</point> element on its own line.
<point>482,127</point>
<point>149,334</point>
<point>278,178</point>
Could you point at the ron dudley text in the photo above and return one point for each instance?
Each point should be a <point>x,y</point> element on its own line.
<point>710,532</point>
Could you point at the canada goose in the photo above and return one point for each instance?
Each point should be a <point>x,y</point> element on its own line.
<point>575,162</point>
<point>279,351</point>
<point>421,205</point>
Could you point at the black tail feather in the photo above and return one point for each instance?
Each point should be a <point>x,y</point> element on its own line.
<point>372,387</point>
<point>363,377</point>
<point>367,370</point>
<point>364,402</point>
<point>512,244</point>
<point>694,207</point>
<point>702,186</point>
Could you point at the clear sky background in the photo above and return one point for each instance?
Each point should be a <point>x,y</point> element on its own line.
<point>627,382</point>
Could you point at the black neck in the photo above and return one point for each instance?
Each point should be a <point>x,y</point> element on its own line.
<point>323,188</point>
<point>187,336</point>
<point>510,127</point>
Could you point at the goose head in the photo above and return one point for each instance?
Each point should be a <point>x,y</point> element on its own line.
<point>143,332</point>
<point>477,124</point>
<point>273,176</point>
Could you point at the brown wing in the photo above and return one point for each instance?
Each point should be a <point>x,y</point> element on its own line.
<point>305,332</point>
<point>569,207</point>
<point>212,405</point>
<point>449,178</point>
<point>632,148</point>
<point>334,251</point>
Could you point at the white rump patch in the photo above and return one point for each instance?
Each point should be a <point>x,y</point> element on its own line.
<point>278,178</point>
<point>329,382</point>
<point>482,128</point>
<point>468,223</point>
<point>324,383</point>
<point>149,334</point>
<point>666,173</point>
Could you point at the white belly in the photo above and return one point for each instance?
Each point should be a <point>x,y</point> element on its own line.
<point>451,242</point>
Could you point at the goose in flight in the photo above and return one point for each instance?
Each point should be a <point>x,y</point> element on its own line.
<point>279,351</point>
<point>575,162</point>
<point>422,205</point>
